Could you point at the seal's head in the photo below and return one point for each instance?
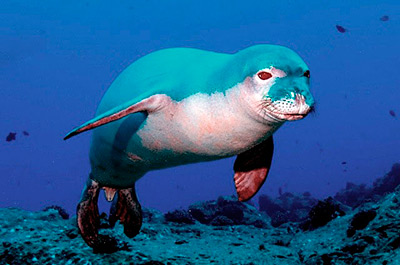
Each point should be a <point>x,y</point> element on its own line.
<point>279,80</point>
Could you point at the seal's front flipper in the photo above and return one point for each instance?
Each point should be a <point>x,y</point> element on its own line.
<point>88,220</point>
<point>251,169</point>
<point>128,210</point>
<point>148,105</point>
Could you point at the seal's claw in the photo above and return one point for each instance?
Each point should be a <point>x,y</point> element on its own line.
<point>88,217</point>
<point>128,210</point>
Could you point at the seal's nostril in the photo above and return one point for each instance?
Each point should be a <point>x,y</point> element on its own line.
<point>300,99</point>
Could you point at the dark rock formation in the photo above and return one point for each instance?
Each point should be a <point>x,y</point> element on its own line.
<point>387,183</point>
<point>179,216</point>
<point>322,213</point>
<point>227,211</point>
<point>61,211</point>
<point>221,220</point>
<point>360,221</point>
<point>354,195</point>
<point>152,215</point>
<point>287,207</point>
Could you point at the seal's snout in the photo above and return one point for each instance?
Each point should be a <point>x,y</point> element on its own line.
<point>294,106</point>
<point>302,106</point>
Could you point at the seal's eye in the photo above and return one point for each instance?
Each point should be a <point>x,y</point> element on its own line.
<point>307,74</point>
<point>264,75</point>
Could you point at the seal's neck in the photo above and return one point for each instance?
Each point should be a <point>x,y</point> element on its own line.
<point>252,102</point>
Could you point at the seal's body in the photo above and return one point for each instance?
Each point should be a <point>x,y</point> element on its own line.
<point>180,106</point>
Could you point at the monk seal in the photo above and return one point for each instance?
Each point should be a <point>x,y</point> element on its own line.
<point>182,105</point>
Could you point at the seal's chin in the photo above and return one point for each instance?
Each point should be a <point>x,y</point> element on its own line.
<point>288,116</point>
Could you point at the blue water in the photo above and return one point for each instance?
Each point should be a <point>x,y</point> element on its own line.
<point>59,57</point>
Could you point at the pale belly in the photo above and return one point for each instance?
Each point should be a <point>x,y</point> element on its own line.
<point>194,130</point>
<point>186,133</point>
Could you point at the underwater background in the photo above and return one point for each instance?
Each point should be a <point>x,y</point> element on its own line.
<point>57,59</point>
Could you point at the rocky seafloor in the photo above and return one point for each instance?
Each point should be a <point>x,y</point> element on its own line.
<point>359,225</point>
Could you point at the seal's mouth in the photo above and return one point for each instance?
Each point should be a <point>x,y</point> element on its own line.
<point>287,109</point>
<point>288,116</point>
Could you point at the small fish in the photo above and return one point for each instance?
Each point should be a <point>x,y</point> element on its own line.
<point>280,192</point>
<point>25,133</point>
<point>341,29</point>
<point>344,163</point>
<point>392,113</point>
<point>384,18</point>
<point>11,137</point>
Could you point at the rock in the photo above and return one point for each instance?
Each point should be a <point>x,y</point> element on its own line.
<point>287,207</point>
<point>203,211</point>
<point>61,211</point>
<point>50,214</point>
<point>387,183</point>
<point>72,233</point>
<point>179,216</point>
<point>106,245</point>
<point>232,210</point>
<point>6,244</point>
<point>322,213</point>
<point>360,221</point>
<point>353,195</point>
<point>153,262</point>
<point>280,218</point>
<point>357,247</point>
<point>180,242</point>
<point>221,220</point>
<point>395,242</point>
<point>152,216</point>
<point>268,205</point>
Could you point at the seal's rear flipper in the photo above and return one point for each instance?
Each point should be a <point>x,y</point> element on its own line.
<point>128,210</point>
<point>88,220</point>
<point>87,212</point>
<point>251,169</point>
<point>149,104</point>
